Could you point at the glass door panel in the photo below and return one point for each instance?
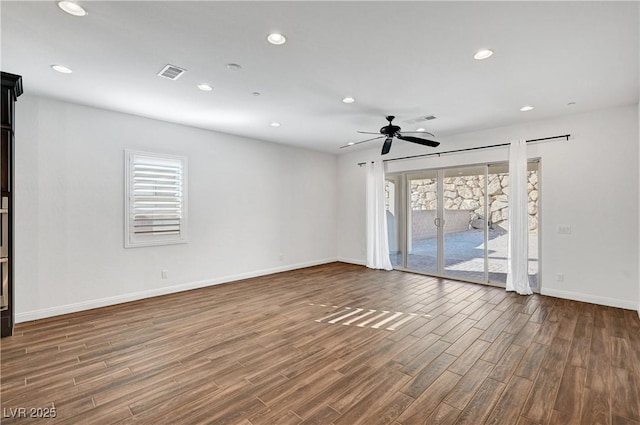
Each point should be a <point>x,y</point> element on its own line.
<point>393,202</point>
<point>533,189</point>
<point>422,231</point>
<point>498,215</point>
<point>464,223</point>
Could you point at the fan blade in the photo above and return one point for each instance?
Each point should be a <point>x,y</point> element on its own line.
<point>387,146</point>
<point>419,132</point>
<point>363,141</point>
<point>368,132</point>
<point>419,141</point>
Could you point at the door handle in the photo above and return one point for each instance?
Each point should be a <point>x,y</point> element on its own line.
<point>439,222</point>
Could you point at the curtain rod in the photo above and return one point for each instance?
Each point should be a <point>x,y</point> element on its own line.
<point>564,136</point>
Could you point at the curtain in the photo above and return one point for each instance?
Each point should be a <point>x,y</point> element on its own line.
<point>377,238</point>
<point>517,263</point>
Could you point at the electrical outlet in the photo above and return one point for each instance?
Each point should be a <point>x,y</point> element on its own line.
<point>164,274</point>
<point>560,277</point>
<point>564,229</point>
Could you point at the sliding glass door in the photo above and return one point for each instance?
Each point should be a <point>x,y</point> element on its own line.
<point>498,221</point>
<point>464,226</point>
<point>422,222</point>
<point>454,222</point>
<point>498,215</point>
<point>533,189</point>
<point>393,194</point>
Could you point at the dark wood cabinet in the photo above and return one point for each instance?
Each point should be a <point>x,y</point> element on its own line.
<point>11,89</point>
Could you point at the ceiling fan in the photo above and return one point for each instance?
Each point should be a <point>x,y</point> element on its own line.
<point>390,131</point>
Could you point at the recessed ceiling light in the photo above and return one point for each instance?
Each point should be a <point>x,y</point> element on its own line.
<point>72,8</point>
<point>205,87</point>
<point>348,99</point>
<point>483,54</point>
<point>233,67</point>
<point>571,103</point>
<point>256,93</point>
<point>275,124</point>
<point>276,38</point>
<point>526,108</point>
<point>62,69</point>
<point>421,129</point>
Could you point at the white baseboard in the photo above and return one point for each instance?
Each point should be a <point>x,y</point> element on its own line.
<point>594,299</point>
<point>104,302</point>
<point>352,261</point>
<point>611,302</point>
<point>134,296</point>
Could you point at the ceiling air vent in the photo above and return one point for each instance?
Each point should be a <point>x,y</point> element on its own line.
<point>171,72</point>
<point>420,119</point>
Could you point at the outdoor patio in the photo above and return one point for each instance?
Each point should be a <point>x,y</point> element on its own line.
<point>464,255</point>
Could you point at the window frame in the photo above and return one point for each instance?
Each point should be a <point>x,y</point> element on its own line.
<point>158,239</point>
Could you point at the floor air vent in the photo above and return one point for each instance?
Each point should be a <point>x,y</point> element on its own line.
<point>171,72</point>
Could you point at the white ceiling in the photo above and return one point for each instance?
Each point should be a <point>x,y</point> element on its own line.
<point>403,58</point>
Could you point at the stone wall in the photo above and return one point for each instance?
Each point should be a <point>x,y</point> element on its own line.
<point>467,193</point>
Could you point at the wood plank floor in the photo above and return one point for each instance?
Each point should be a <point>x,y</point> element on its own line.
<point>334,344</point>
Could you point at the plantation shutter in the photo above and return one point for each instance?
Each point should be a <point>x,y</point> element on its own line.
<point>156,193</point>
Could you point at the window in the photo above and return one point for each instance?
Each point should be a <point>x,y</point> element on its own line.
<point>155,199</point>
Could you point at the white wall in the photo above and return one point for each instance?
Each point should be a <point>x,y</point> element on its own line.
<point>590,182</point>
<point>249,202</point>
